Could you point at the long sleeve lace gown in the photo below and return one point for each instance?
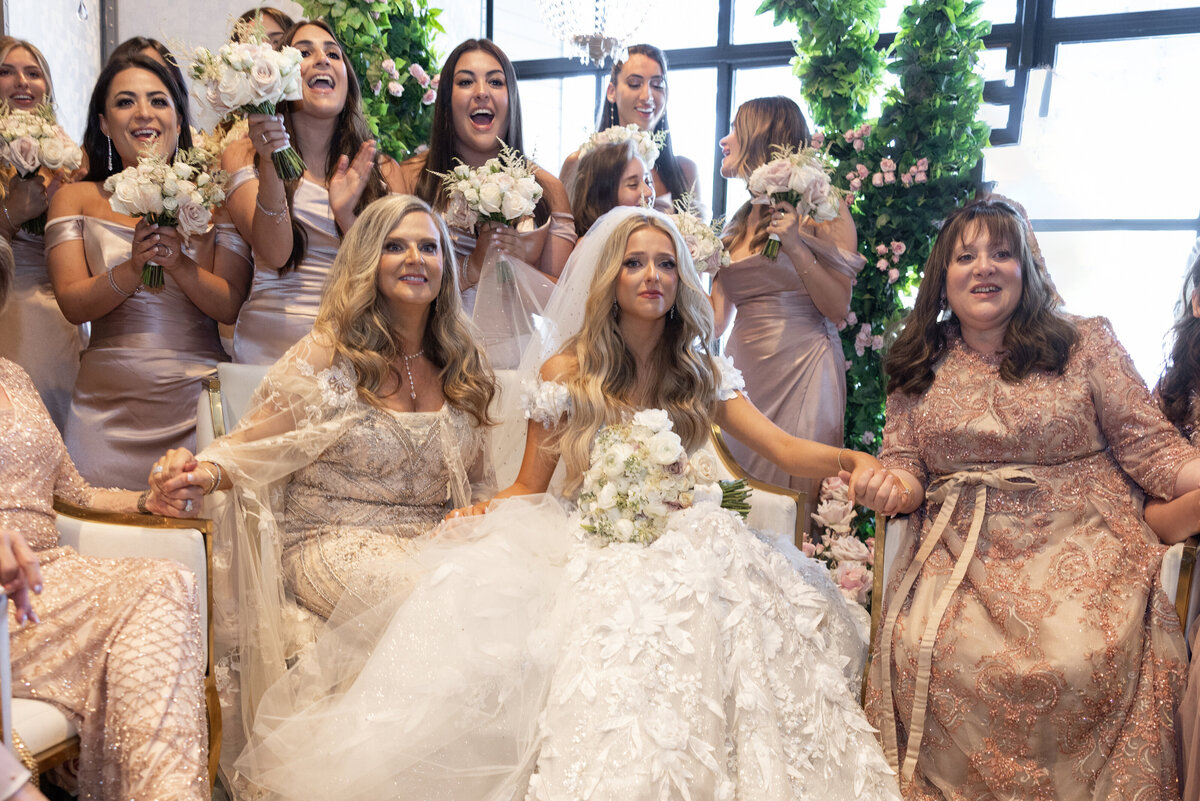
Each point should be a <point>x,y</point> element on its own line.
<point>525,660</point>
<point>1028,649</point>
<point>118,648</point>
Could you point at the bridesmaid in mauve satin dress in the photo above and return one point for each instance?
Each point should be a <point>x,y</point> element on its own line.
<point>784,337</point>
<point>295,230</point>
<point>139,378</point>
<point>33,331</point>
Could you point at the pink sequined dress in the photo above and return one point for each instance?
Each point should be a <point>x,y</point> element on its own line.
<point>1054,660</point>
<point>118,648</point>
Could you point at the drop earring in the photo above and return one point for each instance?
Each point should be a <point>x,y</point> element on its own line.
<point>671,313</point>
<point>615,308</point>
<point>109,138</point>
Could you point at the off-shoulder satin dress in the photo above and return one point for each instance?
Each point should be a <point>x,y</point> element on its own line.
<point>282,307</point>
<point>789,353</point>
<point>34,333</point>
<point>139,379</point>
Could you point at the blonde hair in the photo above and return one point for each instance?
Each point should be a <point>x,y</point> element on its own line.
<point>602,387</point>
<point>359,322</point>
<point>10,43</point>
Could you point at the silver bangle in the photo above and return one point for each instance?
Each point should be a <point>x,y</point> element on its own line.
<point>217,479</point>
<point>113,283</point>
<point>276,216</point>
<point>4,205</point>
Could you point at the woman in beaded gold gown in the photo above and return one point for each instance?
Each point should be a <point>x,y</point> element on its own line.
<point>1027,648</point>
<point>113,643</point>
<point>349,453</point>
<point>140,377</point>
<point>295,229</point>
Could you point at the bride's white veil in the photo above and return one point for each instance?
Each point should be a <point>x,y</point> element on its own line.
<point>562,319</point>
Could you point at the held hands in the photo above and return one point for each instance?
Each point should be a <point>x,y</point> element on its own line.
<point>159,244</point>
<point>19,573</point>
<point>873,486</point>
<point>177,485</point>
<point>267,134</point>
<point>475,509</point>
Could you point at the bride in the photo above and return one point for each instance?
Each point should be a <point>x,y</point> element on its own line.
<point>532,659</point>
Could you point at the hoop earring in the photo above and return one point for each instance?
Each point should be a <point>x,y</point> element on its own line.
<point>109,138</point>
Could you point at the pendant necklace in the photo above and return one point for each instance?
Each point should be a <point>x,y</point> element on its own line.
<point>412,388</point>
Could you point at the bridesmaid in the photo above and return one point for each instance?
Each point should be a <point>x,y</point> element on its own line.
<point>784,337</point>
<point>609,176</point>
<point>637,95</point>
<point>140,376</point>
<point>33,331</point>
<point>153,49</point>
<point>477,107</point>
<point>275,23</point>
<point>295,229</point>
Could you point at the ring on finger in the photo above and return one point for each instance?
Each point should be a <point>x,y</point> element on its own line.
<point>187,505</point>
<point>158,468</point>
<point>264,138</point>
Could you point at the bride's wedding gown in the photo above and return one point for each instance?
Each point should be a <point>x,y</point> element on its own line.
<point>532,661</point>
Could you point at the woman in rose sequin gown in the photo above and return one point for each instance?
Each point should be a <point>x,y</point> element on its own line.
<point>1052,660</point>
<point>118,644</point>
<point>784,336</point>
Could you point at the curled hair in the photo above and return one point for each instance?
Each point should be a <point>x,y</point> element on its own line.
<point>10,43</point>
<point>138,45</point>
<point>667,165</point>
<point>7,267</point>
<point>358,320</point>
<point>350,131</point>
<point>95,143</point>
<point>759,126</point>
<point>1181,376</point>
<point>603,385</point>
<point>596,183</point>
<point>1038,337</point>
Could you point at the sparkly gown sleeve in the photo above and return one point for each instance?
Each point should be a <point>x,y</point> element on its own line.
<point>118,648</point>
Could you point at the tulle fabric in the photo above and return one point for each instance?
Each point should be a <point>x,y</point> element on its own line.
<point>434,693</point>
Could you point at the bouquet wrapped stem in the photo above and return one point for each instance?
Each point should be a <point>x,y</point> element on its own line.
<point>771,248</point>
<point>289,165</point>
<point>735,496</point>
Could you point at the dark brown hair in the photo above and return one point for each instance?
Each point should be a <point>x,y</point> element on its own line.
<point>281,19</point>
<point>760,126</point>
<point>349,134</point>
<point>1039,335</point>
<point>95,143</point>
<point>596,183</point>
<point>1181,376</point>
<point>667,165</point>
<point>134,46</point>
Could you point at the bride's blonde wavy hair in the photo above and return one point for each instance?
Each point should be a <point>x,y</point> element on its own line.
<point>602,388</point>
<point>357,319</point>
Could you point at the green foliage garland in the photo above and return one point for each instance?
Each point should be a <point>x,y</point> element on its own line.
<point>907,170</point>
<point>384,38</point>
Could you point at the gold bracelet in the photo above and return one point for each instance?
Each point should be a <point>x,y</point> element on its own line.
<point>840,466</point>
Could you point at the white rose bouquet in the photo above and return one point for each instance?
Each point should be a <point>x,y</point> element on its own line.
<point>504,190</point>
<point>851,561</point>
<point>799,177</point>
<point>179,195</point>
<point>31,141</point>
<point>639,474</point>
<point>703,240</point>
<point>251,77</point>
<point>647,144</point>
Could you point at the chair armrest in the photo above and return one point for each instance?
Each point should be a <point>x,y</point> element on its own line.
<point>772,507</point>
<point>1176,577</point>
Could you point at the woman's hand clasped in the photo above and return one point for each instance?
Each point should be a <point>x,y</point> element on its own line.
<point>475,509</point>
<point>19,573</point>
<point>878,489</point>
<point>176,485</point>
<point>267,134</point>
<point>159,244</point>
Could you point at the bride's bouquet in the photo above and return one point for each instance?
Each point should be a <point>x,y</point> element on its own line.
<point>31,141</point>
<point>178,195</point>
<point>251,77</point>
<point>639,474</point>
<point>799,177</point>
<point>703,240</point>
<point>645,143</point>
<point>504,190</point>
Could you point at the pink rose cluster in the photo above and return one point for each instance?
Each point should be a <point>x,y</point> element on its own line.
<point>866,338</point>
<point>849,559</point>
<point>855,137</point>
<point>895,250</point>
<point>916,174</point>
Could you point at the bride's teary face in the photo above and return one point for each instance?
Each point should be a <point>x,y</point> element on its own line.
<point>410,264</point>
<point>649,276</point>
<point>139,115</point>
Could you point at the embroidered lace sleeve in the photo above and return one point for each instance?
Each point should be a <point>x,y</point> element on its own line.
<point>544,402</point>
<point>729,379</point>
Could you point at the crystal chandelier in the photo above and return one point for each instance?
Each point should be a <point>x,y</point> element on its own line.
<point>595,29</point>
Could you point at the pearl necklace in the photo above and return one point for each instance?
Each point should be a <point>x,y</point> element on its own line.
<point>412,388</point>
